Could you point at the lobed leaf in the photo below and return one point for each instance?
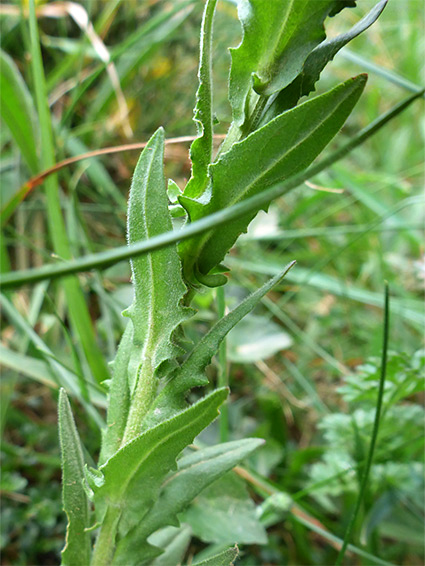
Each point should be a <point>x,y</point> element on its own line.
<point>192,372</point>
<point>275,44</point>
<point>201,148</point>
<point>280,149</point>
<point>195,472</point>
<point>131,478</point>
<point>316,62</point>
<point>77,548</point>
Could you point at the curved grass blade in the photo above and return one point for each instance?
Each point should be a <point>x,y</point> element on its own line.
<point>102,260</point>
<point>76,505</point>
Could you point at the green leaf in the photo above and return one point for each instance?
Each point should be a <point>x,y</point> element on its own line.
<point>174,542</point>
<point>201,148</point>
<point>156,311</point>
<point>195,472</point>
<point>256,338</point>
<point>18,111</point>
<point>132,477</point>
<point>77,549</point>
<point>275,44</point>
<point>192,372</point>
<point>316,62</point>
<point>224,514</point>
<point>119,398</point>
<point>280,149</point>
<point>225,558</point>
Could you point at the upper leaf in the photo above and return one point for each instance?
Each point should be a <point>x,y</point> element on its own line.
<point>275,44</point>
<point>316,62</point>
<point>280,149</point>
<point>132,477</point>
<point>77,548</point>
<point>201,148</point>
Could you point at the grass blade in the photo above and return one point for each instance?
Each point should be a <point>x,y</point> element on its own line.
<point>104,259</point>
<point>78,312</point>
<point>375,431</point>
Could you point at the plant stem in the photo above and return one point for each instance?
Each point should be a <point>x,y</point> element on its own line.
<point>105,543</point>
<point>374,431</point>
<point>223,378</point>
<point>144,395</point>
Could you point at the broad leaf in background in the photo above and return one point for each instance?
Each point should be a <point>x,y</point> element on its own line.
<point>174,542</point>
<point>77,548</point>
<point>156,311</point>
<point>256,338</point>
<point>130,480</point>
<point>283,147</point>
<point>192,372</point>
<point>224,513</point>
<point>195,472</point>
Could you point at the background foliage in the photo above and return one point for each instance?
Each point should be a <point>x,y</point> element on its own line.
<point>310,384</point>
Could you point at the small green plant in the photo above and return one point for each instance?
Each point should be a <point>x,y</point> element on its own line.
<point>127,509</point>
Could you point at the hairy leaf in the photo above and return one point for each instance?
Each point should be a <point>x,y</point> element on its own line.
<point>131,478</point>
<point>316,62</point>
<point>77,548</point>
<point>195,472</point>
<point>174,543</point>
<point>119,398</point>
<point>192,372</point>
<point>201,148</point>
<point>275,44</point>
<point>156,311</point>
<point>225,558</point>
<point>280,149</point>
<point>17,110</point>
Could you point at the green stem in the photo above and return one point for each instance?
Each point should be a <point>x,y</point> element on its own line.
<point>105,543</point>
<point>375,430</point>
<point>223,378</point>
<point>144,394</point>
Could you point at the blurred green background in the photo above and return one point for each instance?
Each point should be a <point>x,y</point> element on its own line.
<point>304,367</point>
